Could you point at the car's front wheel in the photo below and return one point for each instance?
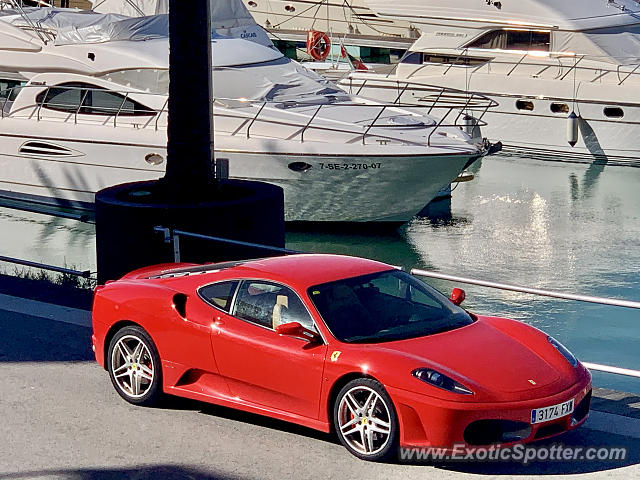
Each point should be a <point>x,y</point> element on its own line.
<point>365,420</point>
<point>134,366</point>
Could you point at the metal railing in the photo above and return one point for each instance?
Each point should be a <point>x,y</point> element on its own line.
<point>44,266</point>
<point>173,237</point>
<point>132,113</point>
<point>434,97</point>
<point>532,291</point>
<point>43,34</point>
<point>566,64</point>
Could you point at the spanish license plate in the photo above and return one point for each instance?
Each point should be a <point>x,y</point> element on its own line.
<point>539,415</point>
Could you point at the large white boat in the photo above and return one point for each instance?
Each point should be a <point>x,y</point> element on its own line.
<point>347,22</point>
<point>565,74</point>
<point>86,107</point>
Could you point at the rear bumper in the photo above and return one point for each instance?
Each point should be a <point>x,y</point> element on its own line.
<point>429,422</point>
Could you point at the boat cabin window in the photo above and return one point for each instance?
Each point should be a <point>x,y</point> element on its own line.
<point>559,108</point>
<point>7,85</point>
<point>524,105</point>
<point>151,80</point>
<point>417,58</point>
<point>613,112</point>
<point>524,40</point>
<point>76,97</point>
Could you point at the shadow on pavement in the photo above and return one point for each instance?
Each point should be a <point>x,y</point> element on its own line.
<point>165,472</point>
<point>33,339</point>
<point>581,438</point>
<point>179,403</point>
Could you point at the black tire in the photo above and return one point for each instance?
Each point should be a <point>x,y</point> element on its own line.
<point>133,381</point>
<point>367,441</point>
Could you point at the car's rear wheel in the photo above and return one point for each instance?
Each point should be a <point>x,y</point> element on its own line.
<point>365,420</point>
<point>134,366</point>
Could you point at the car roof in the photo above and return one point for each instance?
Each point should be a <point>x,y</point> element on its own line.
<point>313,269</point>
<point>303,270</point>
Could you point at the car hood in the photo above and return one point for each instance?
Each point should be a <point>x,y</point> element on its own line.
<point>498,359</point>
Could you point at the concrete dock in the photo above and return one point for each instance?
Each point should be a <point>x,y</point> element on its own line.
<point>61,418</point>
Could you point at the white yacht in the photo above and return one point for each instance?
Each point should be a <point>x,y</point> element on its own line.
<point>86,107</point>
<point>565,74</point>
<point>347,22</point>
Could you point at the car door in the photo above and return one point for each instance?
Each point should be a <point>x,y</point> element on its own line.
<point>260,366</point>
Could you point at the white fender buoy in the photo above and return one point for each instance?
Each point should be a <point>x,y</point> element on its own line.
<point>572,129</point>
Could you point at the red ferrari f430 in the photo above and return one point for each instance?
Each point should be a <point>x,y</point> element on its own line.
<point>338,344</point>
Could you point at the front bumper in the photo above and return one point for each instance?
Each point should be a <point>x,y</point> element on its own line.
<point>431,422</point>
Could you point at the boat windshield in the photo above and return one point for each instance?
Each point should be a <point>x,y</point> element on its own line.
<point>279,80</point>
<point>385,306</point>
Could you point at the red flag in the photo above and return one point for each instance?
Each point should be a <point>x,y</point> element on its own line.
<point>355,63</point>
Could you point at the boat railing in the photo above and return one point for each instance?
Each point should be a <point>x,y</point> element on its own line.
<point>433,97</point>
<point>129,109</point>
<point>460,122</point>
<point>568,66</point>
<point>45,35</point>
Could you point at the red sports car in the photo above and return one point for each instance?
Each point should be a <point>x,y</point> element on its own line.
<point>336,343</point>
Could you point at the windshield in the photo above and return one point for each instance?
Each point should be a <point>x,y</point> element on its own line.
<point>385,306</point>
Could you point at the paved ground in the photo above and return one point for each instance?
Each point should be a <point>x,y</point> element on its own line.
<point>60,418</point>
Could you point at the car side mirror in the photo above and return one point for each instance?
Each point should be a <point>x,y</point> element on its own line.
<point>294,329</point>
<point>457,296</point>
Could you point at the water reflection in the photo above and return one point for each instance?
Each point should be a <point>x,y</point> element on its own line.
<point>46,239</point>
<point>390,247</point>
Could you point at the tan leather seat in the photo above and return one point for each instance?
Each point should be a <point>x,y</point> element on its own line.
<point>281,301</point>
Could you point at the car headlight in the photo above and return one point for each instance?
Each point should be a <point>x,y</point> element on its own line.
<point>564,351</point>
<point>440,380</point>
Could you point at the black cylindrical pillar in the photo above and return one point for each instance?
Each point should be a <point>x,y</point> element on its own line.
<point>190,135</point>
<point>127,214</point>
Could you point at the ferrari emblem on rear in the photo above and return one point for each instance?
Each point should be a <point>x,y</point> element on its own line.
<point>532,382</point>
<point>335,355</point>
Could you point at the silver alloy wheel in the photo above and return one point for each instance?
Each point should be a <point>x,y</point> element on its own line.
<point>132,366</point>
<point>364,420</point>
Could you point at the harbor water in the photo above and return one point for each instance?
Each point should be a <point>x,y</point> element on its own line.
<point>573,228</point>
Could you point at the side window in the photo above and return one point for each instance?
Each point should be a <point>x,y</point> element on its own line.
<point>418,296</point>
<point>104,102</point>
<point>63,99</point>
<point>526,40</point>
<point>89,99</point>
<point>269,305</point>
<point>8,87</point>
<point>219,295</point>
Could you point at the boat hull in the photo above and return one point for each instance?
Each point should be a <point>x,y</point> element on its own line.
<point>354,187</point>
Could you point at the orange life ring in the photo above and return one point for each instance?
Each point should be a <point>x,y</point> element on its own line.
<point>318,44</point>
